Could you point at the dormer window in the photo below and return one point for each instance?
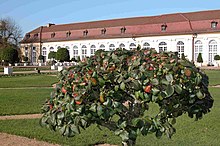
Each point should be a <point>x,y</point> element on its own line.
<point>214,24</point>
<point>103,31</point>
<point>53,35</point>
<point>163,27</point>
<point>85,32</point>
<point>36,35</point>
<point>27,35</point>
<point>123,29</point>
<point>68,34</point>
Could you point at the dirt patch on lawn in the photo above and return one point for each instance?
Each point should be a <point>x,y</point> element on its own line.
<point>14,140</point>
<point>29,116</point>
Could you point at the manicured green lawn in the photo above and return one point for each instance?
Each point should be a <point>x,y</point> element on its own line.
<point>16,96</point>
<point>29,100</point>
<point>22,101</point>
<point>28,81</point>
<point>189,132</point>
<point>28,68</point>
<point>214,76</point>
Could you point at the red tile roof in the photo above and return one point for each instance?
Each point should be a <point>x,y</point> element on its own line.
<point>177,23</point>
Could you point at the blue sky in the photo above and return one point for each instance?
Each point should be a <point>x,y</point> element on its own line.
<point>30,14</point>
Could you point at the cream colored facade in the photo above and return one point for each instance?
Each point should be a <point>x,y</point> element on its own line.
<point>207,44</point>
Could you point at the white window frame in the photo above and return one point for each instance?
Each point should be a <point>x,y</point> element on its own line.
<point>198,48</point>
<point>180,48</point>
<point>162,47</point>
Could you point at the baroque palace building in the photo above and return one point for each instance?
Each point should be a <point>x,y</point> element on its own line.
<point>189,33</point>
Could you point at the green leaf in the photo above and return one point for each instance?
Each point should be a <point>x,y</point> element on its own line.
<point>165,82</point>
<point>93,107</point>
<point>169,77</point>
<point>122,86</point>
<point>101,82</point>
<point>62,129</point>
<point>60,115</point>
<point>124,135</point>
<point>118,132</point>
<point>178,88</point>
<point>114,57</point>
<point>158,134</point>
<point>198,79</point>
<point>135,84</point>
<point>169,90</point>
<point>155,91</point>
<point>144,131</point>
<point>136,94</point>
<point>108,103</point>
<point>135,121</point>
<point>199,95</point>
<point>123,124</point>
<point>136,62</point>
<point>155,81</point>
<point>173,121</point>
<point>99,110</point>
<point>116,87</point>
<point>67,131</point>
<point>74,128</point>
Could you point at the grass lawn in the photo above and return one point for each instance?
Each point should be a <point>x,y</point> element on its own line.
<point>27,68</point>
<point>27,81</point>
<point>214,76</point>
<point>189,132</point>
<point>22,101</point>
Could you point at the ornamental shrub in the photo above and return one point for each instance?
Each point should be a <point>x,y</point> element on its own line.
<point>199,58</point>
<point>62,55</point>
<point>10,55</point>
<point>52,55</point>
<point>114,89</point>
<point>216,57</point>
<point>25,58</point>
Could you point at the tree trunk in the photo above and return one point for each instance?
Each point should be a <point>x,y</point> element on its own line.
<point>129,142</point>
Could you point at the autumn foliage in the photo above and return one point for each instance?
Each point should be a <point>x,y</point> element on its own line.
<point>115,89</point>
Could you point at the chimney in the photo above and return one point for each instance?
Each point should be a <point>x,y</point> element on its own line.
<point>50,24</point>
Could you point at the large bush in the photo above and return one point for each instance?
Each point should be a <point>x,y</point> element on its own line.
<point>62,55</point>
<point>114,89</point>
<point>10,55</point>
<point>52,55</point>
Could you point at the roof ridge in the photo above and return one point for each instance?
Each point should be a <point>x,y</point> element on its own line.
<point>190,25</point>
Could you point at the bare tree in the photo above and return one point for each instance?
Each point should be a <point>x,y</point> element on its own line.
<point>10,32</point>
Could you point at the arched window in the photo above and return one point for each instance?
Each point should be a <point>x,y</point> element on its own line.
<point>44,51</point>
<point>180,48</point>
<point>58,47</point>
<point>51,49</point>
<point>111,47</point>
<point>212,50</point>
<point>75,52</point>
<point>162,47</point>
<point>102,47</point>
<point>122,46</point>
<point>84,51</point>
<point>34,56</point>
<point>146,45</point>
<point>132,46</point>
<point>92,49</point>
<point>198,49</point>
